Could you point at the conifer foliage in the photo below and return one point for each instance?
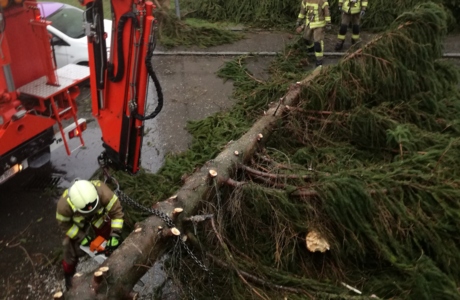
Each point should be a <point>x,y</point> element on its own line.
<point>380,13</point>
<point>367,162</point>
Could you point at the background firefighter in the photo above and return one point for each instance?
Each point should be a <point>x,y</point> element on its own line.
<point>86,205</point>
<point>312,18</point>
<point>352,11</point>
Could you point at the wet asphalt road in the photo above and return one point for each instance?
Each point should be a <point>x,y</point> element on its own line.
<point>28,232</point>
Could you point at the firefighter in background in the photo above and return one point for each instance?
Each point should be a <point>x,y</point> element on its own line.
<point>314,16</point>
<point>352,11</point>
<point>87,204</point>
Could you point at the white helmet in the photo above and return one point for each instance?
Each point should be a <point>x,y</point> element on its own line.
<point>83,195</point>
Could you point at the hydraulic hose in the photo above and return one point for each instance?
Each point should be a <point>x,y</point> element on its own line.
<point>156,82</point>
<point>120,54</point>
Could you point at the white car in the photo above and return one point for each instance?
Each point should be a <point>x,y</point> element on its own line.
<point>69,41</point>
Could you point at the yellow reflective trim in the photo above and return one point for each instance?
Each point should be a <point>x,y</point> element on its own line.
<point>96,182</point>
<point>341,37</point>
<point>65,193</point>
<point>98,222</point>
<point>355,36</point>
<point>112,202</point>
<point>328,19</point>
<point>62,218</point>
<point>117,223</point>
<point>74,209</point>
<point>100,211</point>
<point>364,4</point>
<point>313,11</point>
<point>78,219</point>
<point>317,24</point>
<point>72,232</point>
<point>325,4</point>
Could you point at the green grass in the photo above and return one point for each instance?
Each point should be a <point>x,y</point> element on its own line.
<point>189,21</point>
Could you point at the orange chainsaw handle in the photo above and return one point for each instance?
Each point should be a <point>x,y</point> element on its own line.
<point>97,244</point>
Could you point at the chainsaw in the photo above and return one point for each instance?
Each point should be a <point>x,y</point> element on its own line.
<point>96,249</point>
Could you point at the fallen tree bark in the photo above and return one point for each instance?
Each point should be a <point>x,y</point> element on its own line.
<point>145,245</point>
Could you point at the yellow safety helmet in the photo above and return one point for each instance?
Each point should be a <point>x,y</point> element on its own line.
<point>83,195</point>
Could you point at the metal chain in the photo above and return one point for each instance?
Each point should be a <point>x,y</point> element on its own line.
<point>165,218</point>
<point>202,266</point>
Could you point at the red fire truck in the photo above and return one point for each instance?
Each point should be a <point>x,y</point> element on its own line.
<point>36,99</point>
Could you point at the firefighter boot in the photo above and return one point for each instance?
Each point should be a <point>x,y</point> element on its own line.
<point>319,53</point>
<point>342,33</point>
<point>310,46</point>
<point>355,35</point>
<point>68,281</point>
<point>69,271</point>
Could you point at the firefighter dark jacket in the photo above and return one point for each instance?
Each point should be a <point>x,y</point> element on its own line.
<point>353,7</point>
<point>315,12</point>
<point>73,222</point>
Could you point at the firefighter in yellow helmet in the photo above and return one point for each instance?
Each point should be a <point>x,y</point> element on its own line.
<point>313,17</point>
<point>352,11</point>
<point>87,204</point>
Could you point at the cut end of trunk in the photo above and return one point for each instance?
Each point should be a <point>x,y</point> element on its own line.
<point>98,273</point>
<point>58,295</point>
<point>178,210</point>
<point>260,136</point>
<point>316,243</point>
<point>212,173</point>
<point>137,230</point>
<point>104,269</point>
<point>169,232</point>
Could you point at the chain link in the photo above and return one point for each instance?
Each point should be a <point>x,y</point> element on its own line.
<point>169,222</point>
<point>126,199</point>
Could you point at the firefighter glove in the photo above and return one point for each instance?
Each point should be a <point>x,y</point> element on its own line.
<point>112,244</point>
<point>362,13</point>
<point>86,241</point>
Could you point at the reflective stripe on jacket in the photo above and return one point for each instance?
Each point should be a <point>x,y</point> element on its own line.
<point>315,12</point>
<point>73,222</point>
<point>353,7</point>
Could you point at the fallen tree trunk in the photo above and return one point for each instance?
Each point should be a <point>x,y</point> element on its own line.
<point>145,245</point>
